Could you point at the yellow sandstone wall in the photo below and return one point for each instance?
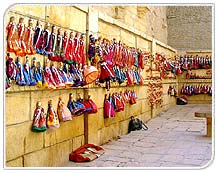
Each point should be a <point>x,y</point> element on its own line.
<point>52,148</point>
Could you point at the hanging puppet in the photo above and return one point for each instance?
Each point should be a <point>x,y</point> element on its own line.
<point>28,74</point>
<point>39,120</point>
<point>50,49</point>
<point>52,120</point>
<point>76,48</point>
<point>12,36</point>
<point>69,53</point>
<point>59,52</point>
<point>64,113</point>
<point>10,67</point>
<point>68,81</point>
<point>82,58</point>
<point>29,38</point>
<point>21,35</point>
<point>48,77</point>
<point>57,77</point>
<point>91,49</point>
<point>38,37</point>
<point>20,80</point>
<point>65,45</point>
<point>75,107</point>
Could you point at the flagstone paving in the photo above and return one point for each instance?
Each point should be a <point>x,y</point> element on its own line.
<point>175,139</point>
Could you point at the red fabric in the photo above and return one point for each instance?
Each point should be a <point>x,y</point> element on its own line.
<point>76,157</point>
<point>179,70</point>
<point>118,104</point>
<point>21,30</point>
<point>141,63</point>
<point>89,104</point>
<point>184,98</point>
<point>108,107</point>
<point>129,78</point>
<point>69,54</point>
<point>82,59</point>
<point>132,98</point>
<point>29,41</point>
<point>65,45</point>
<point>106,72</point>
<point>76,49</point>
<point>93,105</point>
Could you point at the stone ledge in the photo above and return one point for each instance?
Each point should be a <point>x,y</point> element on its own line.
<point>195,81</point>
<point>199,51</point>
<point>17,89</point>
<point>165,46</point>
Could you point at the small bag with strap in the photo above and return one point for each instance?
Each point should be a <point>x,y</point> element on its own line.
<point>136,124</point>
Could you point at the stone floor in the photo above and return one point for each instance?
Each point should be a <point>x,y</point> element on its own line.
<point>175,139</point>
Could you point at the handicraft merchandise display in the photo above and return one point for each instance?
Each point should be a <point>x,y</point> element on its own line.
<point>65,65</point>
<point>192,75</point>
<point>26,40</point>
<point>116,102</point>
<point>65,112</point>
<point>116,61</point>
<point>111,60</point>
<point>155,92</point>
<point>196,89</point>
<point>39,119</point>
<point>179,64</point>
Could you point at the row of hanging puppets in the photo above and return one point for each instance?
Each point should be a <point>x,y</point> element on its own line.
<point>179,64</point>
<point>29,40</point>
<point>50,119</point>
<point>65,75</point>
<point>70,48</point>
<point>192,75</point>
<point>116,102</point>
<point>110,59</point>
<point>65,112</point>
<point>196,89</point>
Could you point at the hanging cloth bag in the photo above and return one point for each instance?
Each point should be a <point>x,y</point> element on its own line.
<point>75,107</point>
<point>108,107</point>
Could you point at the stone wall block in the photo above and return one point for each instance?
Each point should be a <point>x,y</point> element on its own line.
<point>15,163</point>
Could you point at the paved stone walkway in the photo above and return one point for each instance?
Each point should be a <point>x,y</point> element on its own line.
<point>175,139</point>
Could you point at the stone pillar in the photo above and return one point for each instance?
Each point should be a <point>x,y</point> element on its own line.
<point>92,22</point>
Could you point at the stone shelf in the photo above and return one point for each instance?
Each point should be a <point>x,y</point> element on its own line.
<point>195,81</point>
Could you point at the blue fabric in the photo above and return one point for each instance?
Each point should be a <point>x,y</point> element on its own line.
<point>137,77</point>
<point>110,99</point>
<point>37,76</point>
<point>75,107</point>
<point>19,75</point>
<point>120,75</point>
<point>136,56</point>
<point>28,76</point>
<point>63,74</point>
<point>32,78</point>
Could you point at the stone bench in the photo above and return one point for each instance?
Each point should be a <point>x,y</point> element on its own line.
<point>208,116</point>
